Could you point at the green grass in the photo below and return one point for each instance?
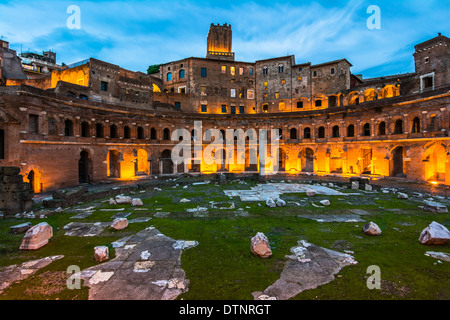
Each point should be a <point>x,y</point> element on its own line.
<point>222,265</point>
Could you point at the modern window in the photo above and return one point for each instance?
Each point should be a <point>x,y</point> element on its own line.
<point>169,76</point>
<point>204,108</point>
<point>182,74</point>
<point>33,124</point>
<point>250,94</point>
<point>204,72</point>
<point>232,71</point>
<point>241,71</point>
<point>265,70</point>
<point>204,91</point>
<point>224,69</point>
<point>280,68</point>
<point>241,109</point>
<point>277,95</point>
<point>104,86</point>
<point>318,103</point>
<point>177,105</point>
<point>333,71</point>
<point>299,104</point>
<point>233,109</point>
<point>300,69</point>
<point>224,108</point>
<point>315,74</point>
<point>233,93</point>
<point>250,71</point>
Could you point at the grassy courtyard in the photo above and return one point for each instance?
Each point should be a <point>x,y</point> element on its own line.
<point>222,266</point>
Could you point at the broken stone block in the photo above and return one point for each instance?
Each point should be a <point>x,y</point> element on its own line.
<point>435,233</point>
<point>281,203</point>
<point>101,253</point>
<point>260,246</point>
<point>21,228</point>
<point>355,185</point>
<point>371,229</point>
<point>37,236</point>
<point>123,200</point>
<point>325,202</point>
<point>112,201</point>
<point>403,196</point>
<point>368,187</point>
<point>435,207</point>
<point>136,202</point>
<point>119,224</point>
<point>310,192</point>
<point>270,203</point>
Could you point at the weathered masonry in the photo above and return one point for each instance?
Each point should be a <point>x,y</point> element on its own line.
<point>94,121</point>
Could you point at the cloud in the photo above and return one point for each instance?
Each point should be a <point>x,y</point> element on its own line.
<point>135,34</point>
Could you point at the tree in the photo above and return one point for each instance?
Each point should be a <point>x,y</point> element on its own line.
<point>153,68</point>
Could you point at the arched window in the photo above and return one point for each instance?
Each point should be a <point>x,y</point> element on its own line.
<point>85,129</point>
<point>307,133</point>
<point>416,125</point>
<point>126,132</point>
<point>52,127</point>
<point>366,130</point>
<point>280,68</point>
<point>382,128</point>
<point>333,71</point>
<point>169,76</point>
<point>321,132</point>
<point>153,134</point>
<point>68,128</point>
<point>113,132</point>
<point>182,74</point>
<point>293,133</point>
<point>99,130</point>
<point>140,133</point>
<point>336,132</point>
<point>398,127</point>
<point>351,131</point>
<point>166,134</point>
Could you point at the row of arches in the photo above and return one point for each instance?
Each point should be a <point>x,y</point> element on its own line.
<point>350,130</point>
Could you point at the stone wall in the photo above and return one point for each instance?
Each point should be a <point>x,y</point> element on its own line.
<point>15,195</point>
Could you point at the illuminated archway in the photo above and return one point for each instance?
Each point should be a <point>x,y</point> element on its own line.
<point>34,179</point>
<point>435,160</point>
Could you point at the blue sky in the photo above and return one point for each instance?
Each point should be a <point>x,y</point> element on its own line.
<point>136,33</point>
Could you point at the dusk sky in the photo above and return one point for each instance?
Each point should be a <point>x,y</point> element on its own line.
<point>136,33</point>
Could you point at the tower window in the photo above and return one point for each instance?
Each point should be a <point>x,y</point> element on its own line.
<point>182,74</point>
<point>265,70</point>
<point>280,68</point>
<point>169,76</point>
<point>333,71</point>
<point>204,72</point>
<point>299,104</point>
<point>224,108</point>
<point>104,86</point>
<point>204,108</point>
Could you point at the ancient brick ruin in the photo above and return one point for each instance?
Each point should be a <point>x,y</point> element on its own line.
<point>15,195</point>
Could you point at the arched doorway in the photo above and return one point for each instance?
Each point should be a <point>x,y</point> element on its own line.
<point>397,163</point>
<point>34,179</point>
<point>367,161</point>
<point>113,164</point>
<point>166,162</point>
<point>83,167</point>
<point>31,180</point>
<point>435,160</point>
<point>142,163</point>
<point>336,163</point>
<point>308,160</point>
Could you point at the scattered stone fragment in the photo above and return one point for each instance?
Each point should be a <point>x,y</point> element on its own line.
<point>355,185</point>
<point>143,266</point>
<point>78,229</point>
<point>403,196</point>
<point>433,206</point>
<point>184,200</point>
<point>435,234</point>
<point>101,253</point>
<point>37,236</point>
<point>21,228</point>
<point>123,199</point>
<point>439,255</point>
<point>121,215</point>
<point>310,192</point>
<point>325,202</point>
<point>145,255</point>
<point>281,202</point>
<point>260,246</point>
<point>270,203</point>
<point>184,245</point>
<point>119,224</point>
<point>371,229</point>
<point>368,187</point>
<point>136,202</point>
